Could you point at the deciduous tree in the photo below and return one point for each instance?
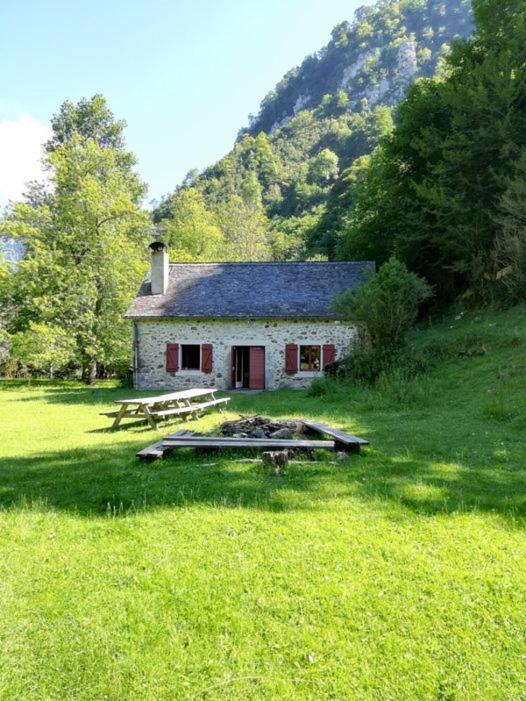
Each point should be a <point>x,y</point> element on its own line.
<point>85,247</point>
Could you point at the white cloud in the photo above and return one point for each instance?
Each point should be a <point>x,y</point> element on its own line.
<point>20,153</point>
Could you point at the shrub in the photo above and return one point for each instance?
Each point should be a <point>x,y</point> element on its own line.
<point>386,306</point>
<point>319,387</point>
<point>368,364</point>
<point>43,348</point>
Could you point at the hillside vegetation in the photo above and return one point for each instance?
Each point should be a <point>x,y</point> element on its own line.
<point>320,119</point>
<point>398,573</point>
<point>374,58</point>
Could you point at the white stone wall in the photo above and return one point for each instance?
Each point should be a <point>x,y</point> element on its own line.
<point>153,335</point>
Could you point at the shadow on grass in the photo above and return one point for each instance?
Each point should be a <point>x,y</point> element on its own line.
<point>73,394</point>
<point>137,425</point>
<point>97,481</point>
<point>431,488</point>
<point>70,392</point>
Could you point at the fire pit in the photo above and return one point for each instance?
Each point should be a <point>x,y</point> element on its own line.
<point>260,433</point>
<point>262,427</point>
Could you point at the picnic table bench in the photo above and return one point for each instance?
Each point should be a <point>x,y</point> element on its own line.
<point>153,409</point>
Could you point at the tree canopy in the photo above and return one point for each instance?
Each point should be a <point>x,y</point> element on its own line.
<point>326,115</point>
<point>443,191</point>
<point>85,240</point>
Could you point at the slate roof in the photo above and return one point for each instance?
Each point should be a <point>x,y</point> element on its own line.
<point>249,290</point>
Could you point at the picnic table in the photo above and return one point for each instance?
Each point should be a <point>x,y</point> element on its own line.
<point>153,409</point>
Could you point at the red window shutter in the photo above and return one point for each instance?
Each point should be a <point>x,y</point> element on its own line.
<point>291,358</point>
<point>206,357</point>
<point>329,354</point>
<point>172,357</point>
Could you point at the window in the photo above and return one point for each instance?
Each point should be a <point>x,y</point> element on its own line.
<point>310,358</point>
<point>190,357</point>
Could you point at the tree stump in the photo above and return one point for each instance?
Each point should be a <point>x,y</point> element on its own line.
<point>275,461</point>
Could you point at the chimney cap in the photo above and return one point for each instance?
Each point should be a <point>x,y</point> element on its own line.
<point>157,246</point>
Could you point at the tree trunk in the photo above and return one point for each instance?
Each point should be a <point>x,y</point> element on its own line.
<point>275,461</point>
<point>90,372</point>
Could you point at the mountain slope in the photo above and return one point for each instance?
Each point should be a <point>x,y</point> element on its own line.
<point>375,58</point>
<point>313,128</point>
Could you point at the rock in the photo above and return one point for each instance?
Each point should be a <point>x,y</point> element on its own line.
<point>258,433</point>
<point>229,428</point>
<point>350,72</point>
<point>340,455</point>
<point>261,427</point>
<point>280,123</point>
<point>300,103</point>
<point>282,433</point>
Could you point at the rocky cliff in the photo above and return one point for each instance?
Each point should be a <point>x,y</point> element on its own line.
<point>374,58</point>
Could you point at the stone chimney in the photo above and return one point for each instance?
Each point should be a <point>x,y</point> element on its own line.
<point>159,274</point>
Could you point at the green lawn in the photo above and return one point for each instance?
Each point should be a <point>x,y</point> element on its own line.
<point>396,574</point>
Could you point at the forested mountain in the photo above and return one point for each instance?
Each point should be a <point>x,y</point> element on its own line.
<point>374,58</point>
<point>268,197</point>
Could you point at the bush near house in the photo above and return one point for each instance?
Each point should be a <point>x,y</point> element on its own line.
<point>386,306</point>
<point>383,309</point>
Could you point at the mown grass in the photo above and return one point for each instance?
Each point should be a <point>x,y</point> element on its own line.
<point>395,574</point>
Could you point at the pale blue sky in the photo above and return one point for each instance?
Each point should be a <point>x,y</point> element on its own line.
<point>184,75</point>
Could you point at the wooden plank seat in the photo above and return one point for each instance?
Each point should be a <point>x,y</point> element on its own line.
<point>189,409</point>
<point>152,452</point>
<point>263,443</point>
<point>158,449</point>
<point>343,441</point>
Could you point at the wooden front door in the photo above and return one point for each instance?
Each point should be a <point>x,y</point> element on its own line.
<point>257,367</point>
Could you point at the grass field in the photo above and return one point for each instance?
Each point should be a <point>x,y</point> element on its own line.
<point>396,574</point>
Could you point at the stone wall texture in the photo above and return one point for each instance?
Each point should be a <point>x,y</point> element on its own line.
<point>152,336</point>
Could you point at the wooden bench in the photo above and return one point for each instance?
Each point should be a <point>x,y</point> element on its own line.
<point>190,409</point>
<point>159,449</point>
<point>264,443</point>
<point>186,439</point>
<point>343,441</point>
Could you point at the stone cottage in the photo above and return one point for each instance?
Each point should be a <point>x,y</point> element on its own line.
<point>239,325</point>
